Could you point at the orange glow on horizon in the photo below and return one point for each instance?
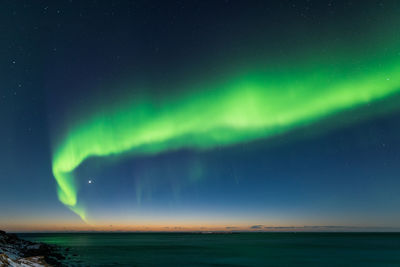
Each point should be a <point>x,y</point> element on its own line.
<point>25,228</point>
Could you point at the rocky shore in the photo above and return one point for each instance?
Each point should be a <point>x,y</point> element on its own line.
<point>17,252</point>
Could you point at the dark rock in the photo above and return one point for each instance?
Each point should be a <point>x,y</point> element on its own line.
<point>27,249</point>
<point>11,238</point>
<point>58,256</point>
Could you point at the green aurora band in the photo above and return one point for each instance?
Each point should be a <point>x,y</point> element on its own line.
<point>254,105</point>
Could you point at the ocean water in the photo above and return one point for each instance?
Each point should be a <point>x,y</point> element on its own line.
<point>237,249</point>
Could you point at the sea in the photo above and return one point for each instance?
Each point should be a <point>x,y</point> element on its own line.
<point>226,249</point>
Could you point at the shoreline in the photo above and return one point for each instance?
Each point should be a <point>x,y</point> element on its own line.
<point>16,252</point>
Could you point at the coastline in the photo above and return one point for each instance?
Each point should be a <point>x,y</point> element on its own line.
<point>18,252</point>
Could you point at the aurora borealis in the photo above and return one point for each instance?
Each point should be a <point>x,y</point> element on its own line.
<point>243,110</point>
<point>206,112</point>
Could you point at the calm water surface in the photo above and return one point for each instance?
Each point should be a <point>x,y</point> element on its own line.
<point>238,249</point>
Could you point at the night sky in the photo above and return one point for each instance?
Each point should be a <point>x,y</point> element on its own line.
<point>199,115</point>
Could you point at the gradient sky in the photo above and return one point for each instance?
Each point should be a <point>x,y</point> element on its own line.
<point>195,115</point>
